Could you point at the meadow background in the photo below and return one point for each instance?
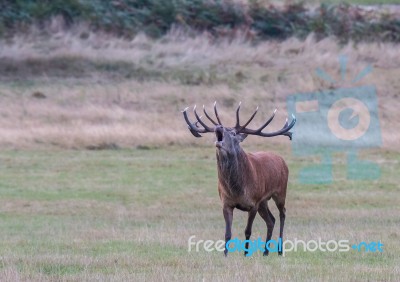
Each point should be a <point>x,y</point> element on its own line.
<point>100,178</point>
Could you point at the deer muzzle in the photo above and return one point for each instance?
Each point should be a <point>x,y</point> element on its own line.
<point>219,133</point>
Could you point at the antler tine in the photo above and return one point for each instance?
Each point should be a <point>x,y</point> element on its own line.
<point>267,122</point>
<point>237,116</point>
<point>216,113</point>
<point>248,122</point>
<point>206,127</point>
<point>194,129</point>
<point>204,110</point>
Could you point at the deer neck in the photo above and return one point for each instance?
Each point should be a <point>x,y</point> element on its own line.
<point>231,171</point>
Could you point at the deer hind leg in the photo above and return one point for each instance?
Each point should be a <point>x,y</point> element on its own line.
<point>269,219</point>
<point>282,215</point>
<point>247,232</point>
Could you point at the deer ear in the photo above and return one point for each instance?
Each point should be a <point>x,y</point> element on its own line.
<point>241,137</point>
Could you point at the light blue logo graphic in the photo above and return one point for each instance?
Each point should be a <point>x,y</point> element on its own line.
<point>249,246</point>
<point>236,245</point>
<point>336,120</point>
<point>368,247</point>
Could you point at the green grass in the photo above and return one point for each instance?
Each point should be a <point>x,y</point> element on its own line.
<point>127,215</point>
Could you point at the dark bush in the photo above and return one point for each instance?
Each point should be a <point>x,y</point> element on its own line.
<point>155,18</point>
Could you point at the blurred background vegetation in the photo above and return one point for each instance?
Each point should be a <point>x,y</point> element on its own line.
<point>256,18</point>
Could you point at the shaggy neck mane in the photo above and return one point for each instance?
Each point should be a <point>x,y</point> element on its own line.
<point>231,171</point>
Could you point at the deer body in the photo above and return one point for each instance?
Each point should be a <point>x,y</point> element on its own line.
<point>260,176</point>
<point>247,181</point>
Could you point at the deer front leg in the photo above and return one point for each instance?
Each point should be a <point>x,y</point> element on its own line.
<point>247,232</point>
<point>228,215</point>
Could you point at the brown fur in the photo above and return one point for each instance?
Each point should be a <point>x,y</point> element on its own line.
<point>260,176</point>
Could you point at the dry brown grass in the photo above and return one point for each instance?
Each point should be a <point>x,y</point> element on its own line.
<point>87,107</point>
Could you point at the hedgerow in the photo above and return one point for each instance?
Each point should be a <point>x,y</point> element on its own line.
<point>218,17</point>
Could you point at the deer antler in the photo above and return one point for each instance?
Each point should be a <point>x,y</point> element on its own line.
<point>195,129</point>
<point>193,126</point>
<point>258,132</point>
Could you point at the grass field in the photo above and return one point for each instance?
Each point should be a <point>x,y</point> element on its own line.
<point>100,179</point>
<point>128,214</point>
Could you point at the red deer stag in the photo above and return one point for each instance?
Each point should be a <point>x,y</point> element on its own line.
<point>246,180</point>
